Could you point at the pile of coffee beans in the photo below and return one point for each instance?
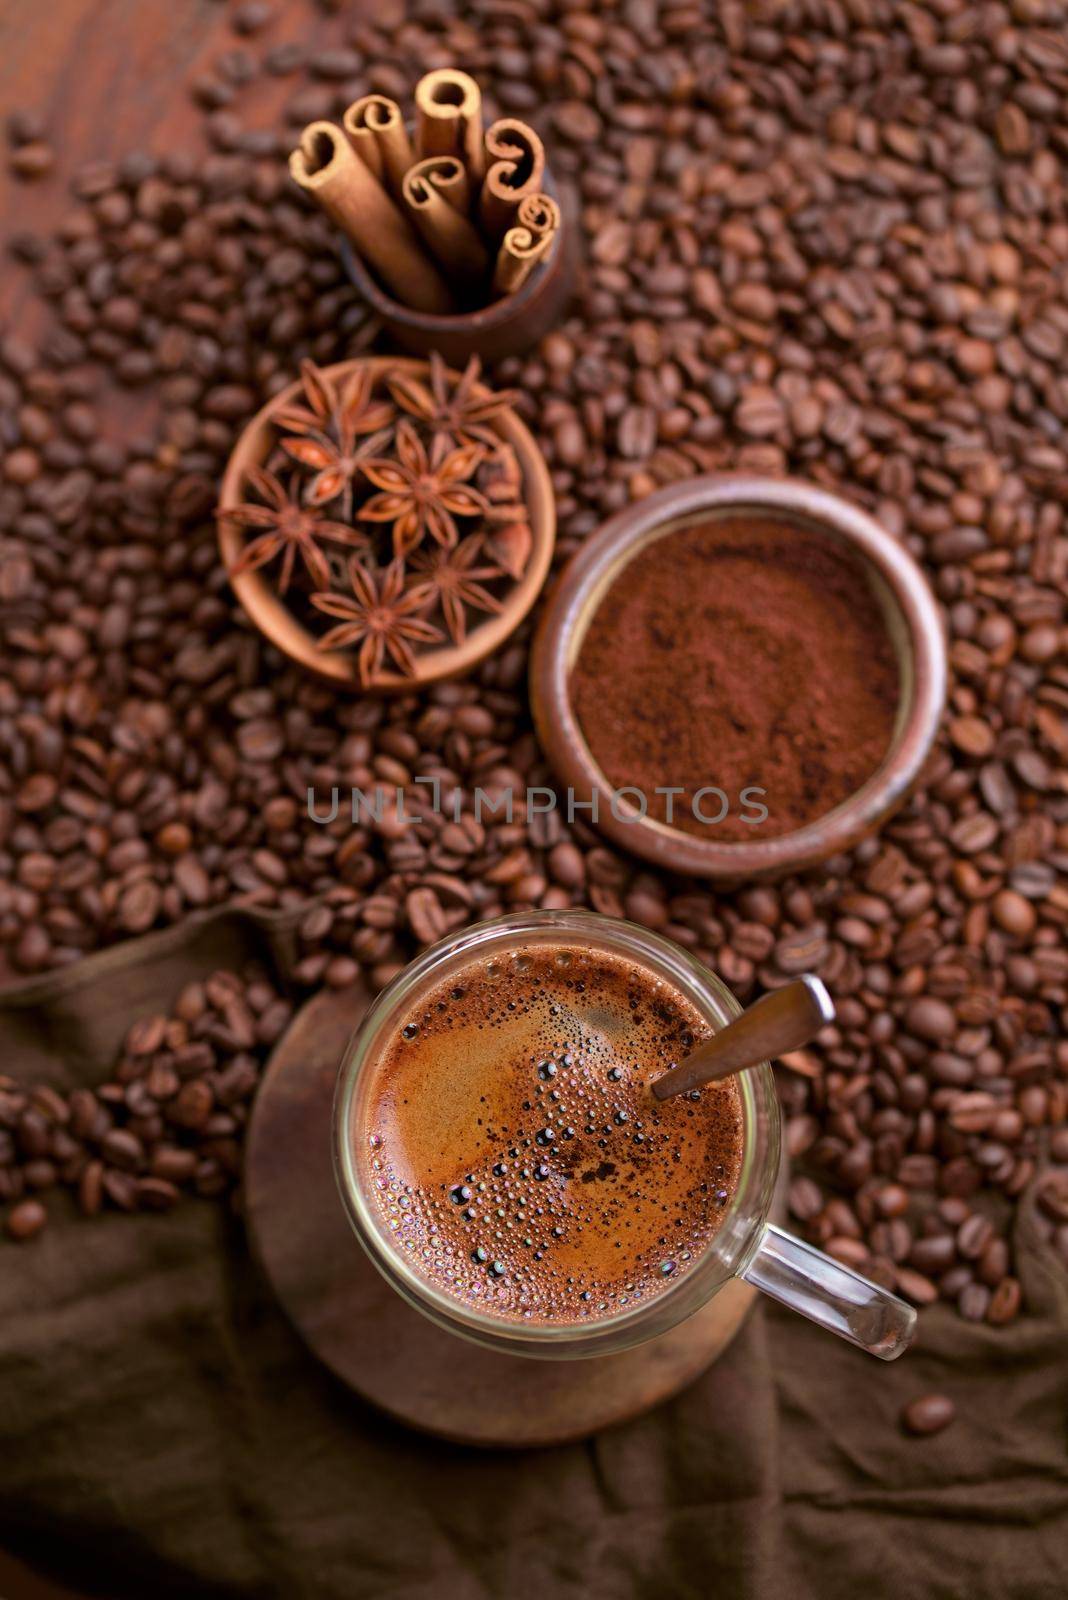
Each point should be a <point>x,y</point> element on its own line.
<point>169,1121</point>
<point>818,239</point>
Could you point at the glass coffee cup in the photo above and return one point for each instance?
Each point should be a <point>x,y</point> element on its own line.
<point>746,1245</point>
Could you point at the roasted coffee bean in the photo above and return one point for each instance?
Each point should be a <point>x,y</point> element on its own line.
<point>1004,1303</point>
<point>156,1194</point>
<point>930,1019</point>
<point>25,1220</point>
<point>192,1105</point>
<point>993,1263</point>
<point>339,64</point>
<point>283,59</point>
<point>973,1237</point>
<point>146,1036</point>
<point>928,1414</point>
<point>24,126</point>
<point>120,1188</point>
<point>973,1302</point>
<point>122,1149</point>
<point>251,16</point>
<point>33,160</point>
<point>174,1165</point>
<point>920,1290</point>
<point>1052,1196</point>
<point>806,1200</point>
<point>91,1188</point>
<point>933,1254</point>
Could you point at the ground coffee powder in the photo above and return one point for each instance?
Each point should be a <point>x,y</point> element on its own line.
<point>736,654</point>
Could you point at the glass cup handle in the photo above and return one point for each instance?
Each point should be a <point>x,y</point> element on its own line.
<point>803,1278</point>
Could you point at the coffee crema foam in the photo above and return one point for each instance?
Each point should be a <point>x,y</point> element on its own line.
<point>516,1153</point>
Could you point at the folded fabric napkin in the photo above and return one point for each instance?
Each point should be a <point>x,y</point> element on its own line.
<point>163,1431</point>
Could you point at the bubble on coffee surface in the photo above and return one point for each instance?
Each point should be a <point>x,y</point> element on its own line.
<point>517,1156</point>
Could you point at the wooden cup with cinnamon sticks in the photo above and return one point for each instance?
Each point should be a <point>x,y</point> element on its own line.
<point>449,218</point>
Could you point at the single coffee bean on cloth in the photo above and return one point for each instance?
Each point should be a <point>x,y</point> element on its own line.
<point>810,247</point>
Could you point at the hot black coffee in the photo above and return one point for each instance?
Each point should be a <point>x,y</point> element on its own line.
<point>517,1155</point>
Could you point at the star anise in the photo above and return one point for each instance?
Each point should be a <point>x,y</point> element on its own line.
<point>288,528</point>
<point>454,413</point>
<point>381,616</point>
<point>336,464</point>
<point>455,582</point>
<point>423,494</point>
<point>328,408</point>
<point>327,432</point>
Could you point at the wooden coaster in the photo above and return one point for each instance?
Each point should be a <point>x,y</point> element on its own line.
<point>371,1338</point>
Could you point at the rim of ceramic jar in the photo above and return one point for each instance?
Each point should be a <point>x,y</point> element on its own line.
<point>278,624</point>
<point>480,319</point>
<point>739,1226</point>
<point>913,621</point>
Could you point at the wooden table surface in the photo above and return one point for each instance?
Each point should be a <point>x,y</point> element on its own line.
<point>108,77</point>
<point>111,76</point>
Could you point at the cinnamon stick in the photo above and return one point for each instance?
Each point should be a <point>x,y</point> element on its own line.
<point>448,119</point>
<point>450,237</point>
<point>537,223</point>
<point>449,176</point>
<point>515,167</point>
<point>538,212</point>
<point>377,133</point>
<point>326,165</point>
<point>520,252</point>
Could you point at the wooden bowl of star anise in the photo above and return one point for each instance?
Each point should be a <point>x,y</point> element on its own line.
<point>387,522</point>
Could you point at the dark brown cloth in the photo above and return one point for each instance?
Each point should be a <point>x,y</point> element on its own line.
<point>164,1432</point>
